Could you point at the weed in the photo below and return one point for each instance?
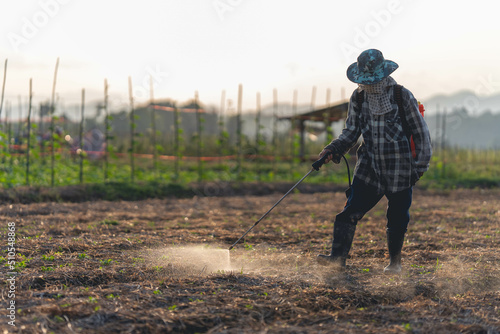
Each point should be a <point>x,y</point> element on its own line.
<point>438,266</point>
<point>108,222</point>
<point>48,258</point>
<point>58,318</point>
<point>106,262</point>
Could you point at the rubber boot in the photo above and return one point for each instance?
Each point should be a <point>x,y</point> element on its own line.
<point>343,234</point>
<point>395,244</point>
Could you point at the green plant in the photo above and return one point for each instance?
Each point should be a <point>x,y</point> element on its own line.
<point>106,262</point>
<point>438,265</point>
<point>109,222</point>
<point>83,256</point>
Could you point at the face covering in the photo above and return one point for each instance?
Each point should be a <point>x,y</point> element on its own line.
<point>378,96</point>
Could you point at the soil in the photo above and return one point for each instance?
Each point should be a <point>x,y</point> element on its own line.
<point>162,265</point>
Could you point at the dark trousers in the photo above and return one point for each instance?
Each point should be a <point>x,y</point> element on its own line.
<point>364,197</point>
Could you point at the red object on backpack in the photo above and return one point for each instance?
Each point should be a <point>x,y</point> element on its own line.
<point>412,143</point>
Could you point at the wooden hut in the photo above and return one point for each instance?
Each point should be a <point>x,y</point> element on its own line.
<point>326,115</point>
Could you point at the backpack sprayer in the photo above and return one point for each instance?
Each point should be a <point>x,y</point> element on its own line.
<point>315,167</point>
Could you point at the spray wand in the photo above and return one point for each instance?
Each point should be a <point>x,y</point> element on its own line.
<point>315,167</point>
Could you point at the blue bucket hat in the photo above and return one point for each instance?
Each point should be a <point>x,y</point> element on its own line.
<point>370,68</point>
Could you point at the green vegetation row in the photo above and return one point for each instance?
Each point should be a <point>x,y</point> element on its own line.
<point>155,166</point>
<point>459,169</point>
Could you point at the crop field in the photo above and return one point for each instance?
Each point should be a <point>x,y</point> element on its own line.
<point>163,265</point>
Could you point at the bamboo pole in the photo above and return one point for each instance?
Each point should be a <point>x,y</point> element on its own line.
<point>8,122</point>
<point>257,124</point>
<point>437,142</point>
<point>132,129</point>
<point>40,131</point>
<point>275,129</point>
<point>221,125</point>
<point>292,126</point>
<point>20,121</point>
<point>3,85</point>
<point>239,132</point>
<point>177,142</point>
<point>153,127</point>
<point>52,111</point>
<point>29,134</point>
<point>81,135</point>
<point>328,123</point>
<point>313,98</point>
<point>258,140</point>
<point>443,142</point>
<point>106,130</point>
<point>198,137</point>
<point>5,148</point>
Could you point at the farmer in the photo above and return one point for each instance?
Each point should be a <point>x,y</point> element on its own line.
<point>385,166</point>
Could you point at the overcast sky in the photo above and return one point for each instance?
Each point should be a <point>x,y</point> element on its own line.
<point>212,45</point>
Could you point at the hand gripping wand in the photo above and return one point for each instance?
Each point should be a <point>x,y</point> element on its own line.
<point>315,167</point>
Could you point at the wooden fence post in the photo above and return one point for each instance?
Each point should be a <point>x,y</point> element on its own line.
<point>81,153</point>
<point>52,125</point>
<point>106,130</point>
<point>199,144</point>
<point>3,85</point>
<point>153,127</point>
<point>239,131</point>
<point>177,142</point>
<point>29,134</point>
<point>132,130</point>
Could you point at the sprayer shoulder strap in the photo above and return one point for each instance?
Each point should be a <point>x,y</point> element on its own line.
<point>360,97</point>
<point>398,94</point>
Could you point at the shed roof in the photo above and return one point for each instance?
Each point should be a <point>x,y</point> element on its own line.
<point>331,113</point>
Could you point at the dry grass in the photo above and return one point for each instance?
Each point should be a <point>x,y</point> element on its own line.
<point>162,266</point>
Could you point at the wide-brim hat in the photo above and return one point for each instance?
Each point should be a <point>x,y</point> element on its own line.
<point>370,68</point>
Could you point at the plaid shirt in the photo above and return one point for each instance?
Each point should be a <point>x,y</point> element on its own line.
<point>384,157</point>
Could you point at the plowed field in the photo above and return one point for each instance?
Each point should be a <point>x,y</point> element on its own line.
<point>162,265</point>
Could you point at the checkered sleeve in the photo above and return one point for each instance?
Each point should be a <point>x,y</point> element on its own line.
<point>419,130</point>
<point>351,132</point>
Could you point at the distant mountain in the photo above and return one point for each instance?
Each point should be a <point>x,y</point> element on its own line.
<point>474,104</point>
<point>463,99</point>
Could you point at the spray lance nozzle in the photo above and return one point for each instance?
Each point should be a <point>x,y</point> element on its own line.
<point>315,166</point>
